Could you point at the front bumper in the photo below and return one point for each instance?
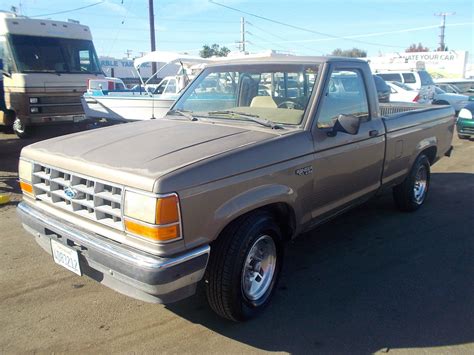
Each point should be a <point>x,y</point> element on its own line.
<point>129,271</point>
<point>465,127</point>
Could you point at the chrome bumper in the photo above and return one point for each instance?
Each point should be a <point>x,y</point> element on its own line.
<point>129,271</point>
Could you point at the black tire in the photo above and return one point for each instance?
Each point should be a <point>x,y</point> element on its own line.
<point>21,129</point>
<point>229,253</point>
<point>405,195</point>
<point>460,136</point>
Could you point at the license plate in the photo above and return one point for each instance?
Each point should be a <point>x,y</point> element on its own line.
<point>66,257</point>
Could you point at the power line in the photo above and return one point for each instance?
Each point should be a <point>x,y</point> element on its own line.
<point>285,40</point>
<point>301,28</point>
<point>67,11</point>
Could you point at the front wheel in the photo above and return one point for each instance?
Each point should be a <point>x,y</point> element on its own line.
<point>21,129</point>
<point>244,267</point>
<point>412,192</point>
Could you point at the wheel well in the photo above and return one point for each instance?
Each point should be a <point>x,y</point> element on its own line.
<point>430,154</point>
<point>283,214</point>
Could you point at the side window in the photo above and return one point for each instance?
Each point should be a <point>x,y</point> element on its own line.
<point>171,88</point>
<point>390,76</point>
<point>159,90</point>
<point>409,78</point>
<point>344,94</point>
<point>5,55</point>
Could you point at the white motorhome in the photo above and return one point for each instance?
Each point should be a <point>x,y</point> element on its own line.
<point>46,68</point>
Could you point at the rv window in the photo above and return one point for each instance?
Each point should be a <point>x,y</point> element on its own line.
<point>5,55</point>
<point>58,55</point>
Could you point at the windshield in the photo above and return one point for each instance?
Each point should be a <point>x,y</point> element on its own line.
<point>277,93</point>
<point>57,55</point>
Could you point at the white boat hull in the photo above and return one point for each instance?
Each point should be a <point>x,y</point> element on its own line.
<point>125,108</point>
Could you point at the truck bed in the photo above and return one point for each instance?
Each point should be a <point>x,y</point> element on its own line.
<point>401,115</point>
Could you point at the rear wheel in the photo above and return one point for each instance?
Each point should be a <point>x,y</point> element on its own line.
<point>412,192</point>
<point>21,129</point>
<point>244,267</point>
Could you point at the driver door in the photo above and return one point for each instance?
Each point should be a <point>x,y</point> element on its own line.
<point>346,167</point>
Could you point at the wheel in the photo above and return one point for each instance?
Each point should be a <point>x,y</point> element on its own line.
<point>412,192</point>
<point>290,105</point>
<point>244,267</point>
<point>461,136</point>
<point>20,129</point>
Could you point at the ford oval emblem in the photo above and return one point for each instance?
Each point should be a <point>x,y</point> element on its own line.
<point>70,192</point>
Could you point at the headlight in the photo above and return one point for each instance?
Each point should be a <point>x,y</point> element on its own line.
<point>34,100</point>
<point>155,218</point>
<point>25,171</point>
<point>465,114</point>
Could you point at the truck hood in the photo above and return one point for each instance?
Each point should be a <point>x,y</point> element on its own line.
<point>137,154</point>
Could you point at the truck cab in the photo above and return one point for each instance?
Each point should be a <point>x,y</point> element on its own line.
<point>46,68</point>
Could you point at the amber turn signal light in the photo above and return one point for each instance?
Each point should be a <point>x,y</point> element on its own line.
<point>155,233</point>
<point>167,210</point>
<point>26,187</point>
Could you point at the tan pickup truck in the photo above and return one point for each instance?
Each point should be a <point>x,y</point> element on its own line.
<point>253,153</point>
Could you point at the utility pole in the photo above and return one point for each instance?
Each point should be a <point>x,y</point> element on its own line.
<point>242,34</point>
<point>442,44</point>
<point>128,53</point>
<point>152,32</point>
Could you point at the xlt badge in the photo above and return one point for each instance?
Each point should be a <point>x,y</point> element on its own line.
<point>304,171</point>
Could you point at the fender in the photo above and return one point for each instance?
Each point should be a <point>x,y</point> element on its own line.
<point>250,200</point>
<point>421,146</point>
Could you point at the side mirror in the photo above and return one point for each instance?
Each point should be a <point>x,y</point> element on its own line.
<point>347,124</point>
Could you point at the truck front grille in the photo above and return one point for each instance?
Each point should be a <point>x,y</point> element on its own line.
<point>79,194</point>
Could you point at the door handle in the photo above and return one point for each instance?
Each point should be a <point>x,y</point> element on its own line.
<point>374,133</point>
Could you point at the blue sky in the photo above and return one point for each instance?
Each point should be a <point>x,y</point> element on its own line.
<point>377,26</point>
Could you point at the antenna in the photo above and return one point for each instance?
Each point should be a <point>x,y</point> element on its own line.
<point>442,44</point>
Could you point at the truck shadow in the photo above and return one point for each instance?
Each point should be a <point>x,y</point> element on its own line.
<point>371,280</point>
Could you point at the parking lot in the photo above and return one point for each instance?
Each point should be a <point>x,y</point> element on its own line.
<point>372,280</point>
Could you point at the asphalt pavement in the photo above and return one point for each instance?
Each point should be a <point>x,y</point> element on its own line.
<point>371,280</point>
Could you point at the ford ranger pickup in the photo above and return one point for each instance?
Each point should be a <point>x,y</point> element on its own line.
<point>253,153</point>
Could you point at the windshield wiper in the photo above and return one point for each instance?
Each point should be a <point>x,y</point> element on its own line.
<point>183,113</point>
<point>248,117</point>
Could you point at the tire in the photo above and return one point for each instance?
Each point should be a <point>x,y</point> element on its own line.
<point>233,262</point>
<point>20,129</point>
<point>412,192</point>
<point>460,136</point>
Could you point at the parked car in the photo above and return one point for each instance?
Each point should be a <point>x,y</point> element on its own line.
<point>417,79</point>
<point>456,100</point>
<point>465,122</point>
<point>402,93</point>
<point>383,90</point>
<point>215,188</point>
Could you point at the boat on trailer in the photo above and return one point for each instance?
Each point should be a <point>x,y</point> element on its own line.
<point>148,101</point>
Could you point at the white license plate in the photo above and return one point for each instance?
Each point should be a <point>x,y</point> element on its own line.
<point>66,257</point>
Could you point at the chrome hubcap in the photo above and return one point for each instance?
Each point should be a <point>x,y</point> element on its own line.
<point>18,126</point>
<point>421,185</point>
<point>259,268</point>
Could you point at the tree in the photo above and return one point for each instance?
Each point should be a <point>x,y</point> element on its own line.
<point>214,50</point>
<point>417,48</point>
<point>354,53</point>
